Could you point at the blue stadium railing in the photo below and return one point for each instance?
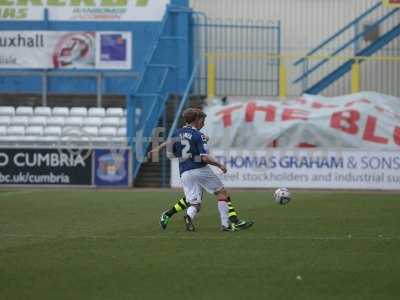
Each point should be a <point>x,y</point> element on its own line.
<point>183,101</point>
<point>326,80</point>
<point>346,67</point>
<point>146,101</point>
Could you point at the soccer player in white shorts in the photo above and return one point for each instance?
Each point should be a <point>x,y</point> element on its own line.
<point>190,146</point>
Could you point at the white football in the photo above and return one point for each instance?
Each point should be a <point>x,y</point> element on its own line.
<point>282,196</point>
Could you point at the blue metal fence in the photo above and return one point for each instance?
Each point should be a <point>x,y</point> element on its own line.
<point>239,48</point>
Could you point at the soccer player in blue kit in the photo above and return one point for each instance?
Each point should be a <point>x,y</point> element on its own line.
<point>189,145</point>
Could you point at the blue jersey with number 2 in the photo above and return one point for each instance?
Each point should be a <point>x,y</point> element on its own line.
<point>189,145</point>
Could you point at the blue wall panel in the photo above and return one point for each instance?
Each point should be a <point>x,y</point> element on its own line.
<point>143,37</point>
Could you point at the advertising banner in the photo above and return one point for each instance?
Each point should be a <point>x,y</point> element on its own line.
<point>79,10</point>
<point>45,166</point>
<point>71,50</point>
<point>347,142</point>
<point>114,50</point>
<point>65,50</point>
<point>24,49</point>
<point>112,167</point>
<point>307,168</point>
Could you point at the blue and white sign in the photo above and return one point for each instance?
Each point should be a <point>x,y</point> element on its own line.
<point>112,167</point>
<point>311,168</point>
<point>114,50</point>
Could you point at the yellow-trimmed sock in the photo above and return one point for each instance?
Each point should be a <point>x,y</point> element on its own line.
<point>180,205</point>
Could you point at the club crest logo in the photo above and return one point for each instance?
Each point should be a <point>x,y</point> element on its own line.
<point>111,167</point>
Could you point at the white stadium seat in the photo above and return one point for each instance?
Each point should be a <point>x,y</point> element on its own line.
<point>100,139</point>
<point>119,139</point>
<point>19,121</point>
<point>52,131</point>
<point>46,125</point>
<point>37,121</point>
<point>24,111</point>
<point>70,139</point>
<point>90,131</point>
<point>60,111</point>
<point>16,130</point>
<point>122,122</point>
<point>55,121</point>
<point>91,121</point>
<point>11,139</point>
<point>108,131</point>
<point>49,139</point>
<point>7,111</point>
<point>114,112</point>
<point>73,121</point>
<point>8,139</point>
<point>34,131</point>
<point>96,112</point>
<point>42,111</point>
<point>28,138</point>
<point>78,112</point>
<point>5,120</point>
<point>71,131</point>
<point>110,122</point>
<point>121,131</point>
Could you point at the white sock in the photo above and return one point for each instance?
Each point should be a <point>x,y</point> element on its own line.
<point>191,212</point>
<point>223,213</point>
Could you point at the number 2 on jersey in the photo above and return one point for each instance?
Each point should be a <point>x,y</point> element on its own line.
<point>186,149</point>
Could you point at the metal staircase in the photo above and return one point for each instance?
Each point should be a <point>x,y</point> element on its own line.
<point>161,77</point>
<point>157,174</point>
<point>320,69</point>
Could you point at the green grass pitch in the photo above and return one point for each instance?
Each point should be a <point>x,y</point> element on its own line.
<point>103,244</point>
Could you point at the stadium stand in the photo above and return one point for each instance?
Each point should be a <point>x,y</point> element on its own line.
<point>7,111</point>
<point>3,130</point>
<point>115,112</point>
<point>19,120</point>
<point>60,111</point>
<point>96,112</point>
<point>24,111</point>
<point>42,111</point>
<point>37,121</point>
<point>4,120</point>
<point>45,126</point>
<point>78,112</point>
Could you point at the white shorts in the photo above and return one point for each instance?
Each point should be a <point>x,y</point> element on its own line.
<point>195,180</point>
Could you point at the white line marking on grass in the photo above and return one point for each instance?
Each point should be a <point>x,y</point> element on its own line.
<point>12,193</point>
<point>223,236</point>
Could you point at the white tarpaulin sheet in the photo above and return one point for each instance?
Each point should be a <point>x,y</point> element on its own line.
<point>364,120</point>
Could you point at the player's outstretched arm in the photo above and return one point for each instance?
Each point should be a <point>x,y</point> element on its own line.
<point>208,159</point>
<point>157,149</point>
